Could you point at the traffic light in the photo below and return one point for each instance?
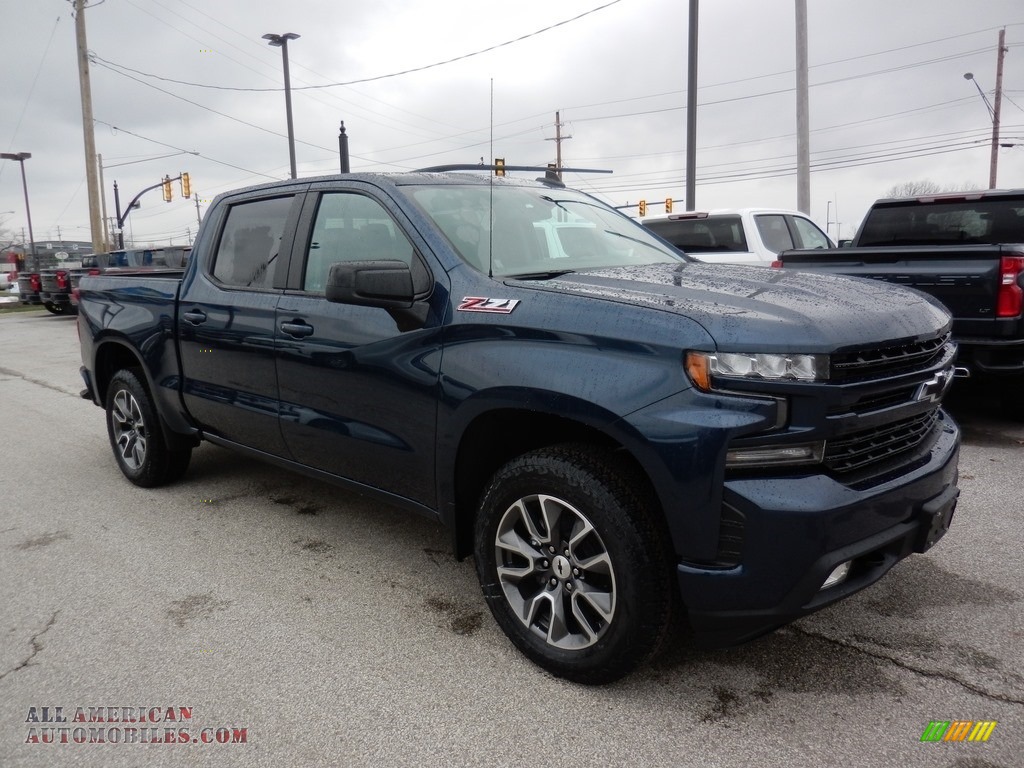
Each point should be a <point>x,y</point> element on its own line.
<point>499,166</point>
<point>668,204</point>
<point>168,192</point>
<point>186,186</point>
<point>642,208</point>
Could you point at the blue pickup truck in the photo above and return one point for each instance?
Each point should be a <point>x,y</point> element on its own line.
<point>619,435</point>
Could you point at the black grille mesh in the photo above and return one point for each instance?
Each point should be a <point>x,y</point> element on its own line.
<point>859,449</point>
<point>876,363</point>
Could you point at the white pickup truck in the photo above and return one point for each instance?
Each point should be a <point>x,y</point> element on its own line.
<point>738,235</point>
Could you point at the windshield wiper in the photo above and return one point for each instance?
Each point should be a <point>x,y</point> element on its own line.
<point>541,275</point>
<point>561,203</point>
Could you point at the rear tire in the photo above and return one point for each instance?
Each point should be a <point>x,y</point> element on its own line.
<point>54,309</point>
<point>136,436</point>
<point>572,565</point>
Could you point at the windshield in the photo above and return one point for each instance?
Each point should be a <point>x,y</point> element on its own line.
<point>536,231</point>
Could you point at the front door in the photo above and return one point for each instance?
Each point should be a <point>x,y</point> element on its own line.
<point>358,395</point>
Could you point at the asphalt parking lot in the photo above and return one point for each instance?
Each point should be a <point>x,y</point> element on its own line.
<point>320,628</point>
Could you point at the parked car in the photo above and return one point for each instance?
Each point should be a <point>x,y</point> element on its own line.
<point>738,236</point>
<point>615,433</point>
<point>967,250</point>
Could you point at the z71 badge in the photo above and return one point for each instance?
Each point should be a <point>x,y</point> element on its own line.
<point>479,304</point>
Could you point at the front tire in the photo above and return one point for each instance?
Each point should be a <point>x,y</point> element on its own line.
<point>571,563</point>
<point>136,436</point>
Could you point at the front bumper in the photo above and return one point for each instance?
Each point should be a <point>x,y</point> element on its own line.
<point>796,530</point>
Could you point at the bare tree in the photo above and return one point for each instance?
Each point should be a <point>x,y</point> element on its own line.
<point>928,187</point>
<point>913,189</point>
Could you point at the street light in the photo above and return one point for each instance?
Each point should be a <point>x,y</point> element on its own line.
<point>21,157</point>
<point>993,113</point>
<point>281,41</point>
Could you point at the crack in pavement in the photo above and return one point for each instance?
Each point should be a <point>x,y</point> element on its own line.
<point>37,382</point>
<point>911,668</point>
<point>36,646</point>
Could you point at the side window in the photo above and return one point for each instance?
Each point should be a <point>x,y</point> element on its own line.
<point>774,232</point>
<point>809,234</point>
<point>351,227</point>
<point>250,243</point>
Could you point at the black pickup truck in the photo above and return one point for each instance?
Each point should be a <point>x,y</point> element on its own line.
<point>618,434</point>
<point>965,249</point>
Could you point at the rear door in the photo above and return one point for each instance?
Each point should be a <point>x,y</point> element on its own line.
<point>358,393</point>
<point>226,320</point>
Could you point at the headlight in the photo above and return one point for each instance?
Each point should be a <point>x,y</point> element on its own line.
<point>702,367</point>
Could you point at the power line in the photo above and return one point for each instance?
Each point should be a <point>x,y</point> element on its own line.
<point>375,77</point>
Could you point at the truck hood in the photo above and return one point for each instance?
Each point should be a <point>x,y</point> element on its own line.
<point>772,310</point>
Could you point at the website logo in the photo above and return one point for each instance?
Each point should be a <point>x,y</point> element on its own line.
<point>959,730</point>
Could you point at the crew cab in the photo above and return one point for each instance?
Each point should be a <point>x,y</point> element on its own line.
<point>967,250</point>
<point>617,433</point>
<point>738,235</point>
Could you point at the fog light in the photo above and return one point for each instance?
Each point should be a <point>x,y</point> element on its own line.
<point>838,575</point>
<point>811,453</point>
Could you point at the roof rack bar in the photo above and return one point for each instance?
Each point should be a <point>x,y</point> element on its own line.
<point>477,167</point>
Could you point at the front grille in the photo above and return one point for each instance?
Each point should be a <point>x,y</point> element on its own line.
<point>859,449</point>
<point>875,363</point>
<point>876,402</point>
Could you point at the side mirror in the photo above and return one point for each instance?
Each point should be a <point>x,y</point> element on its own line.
<point>389,284</point>
<point>386,284</point>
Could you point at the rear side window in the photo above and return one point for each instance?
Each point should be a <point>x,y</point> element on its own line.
<point>351,227</point>
<point>251,242</point>
<point>774,232</point>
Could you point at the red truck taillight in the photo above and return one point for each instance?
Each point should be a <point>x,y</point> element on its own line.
<point>36,282</point>
<point>1010,301</point>
<point>62,280</point>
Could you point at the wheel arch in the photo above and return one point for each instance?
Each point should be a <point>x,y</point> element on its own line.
<point>496,436</point>
<point>114,354</point>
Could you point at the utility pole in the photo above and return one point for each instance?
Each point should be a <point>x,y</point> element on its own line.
<point>198,218</point>
<point>803,139</point>
<point>92,182</point>
<point>996,104</point>
<point>558,143</point>
<point>691,112</point>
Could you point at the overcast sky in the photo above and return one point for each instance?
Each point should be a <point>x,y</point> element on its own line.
<point>888,100</point>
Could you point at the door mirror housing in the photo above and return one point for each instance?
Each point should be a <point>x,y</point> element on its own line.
<point>386,284</point>
<point>389,284</point>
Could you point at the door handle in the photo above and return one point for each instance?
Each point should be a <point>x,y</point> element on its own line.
<point>298,329</point>
<point>195,316</point>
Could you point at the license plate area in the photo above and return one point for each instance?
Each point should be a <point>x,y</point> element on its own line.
<point>936,516</point>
